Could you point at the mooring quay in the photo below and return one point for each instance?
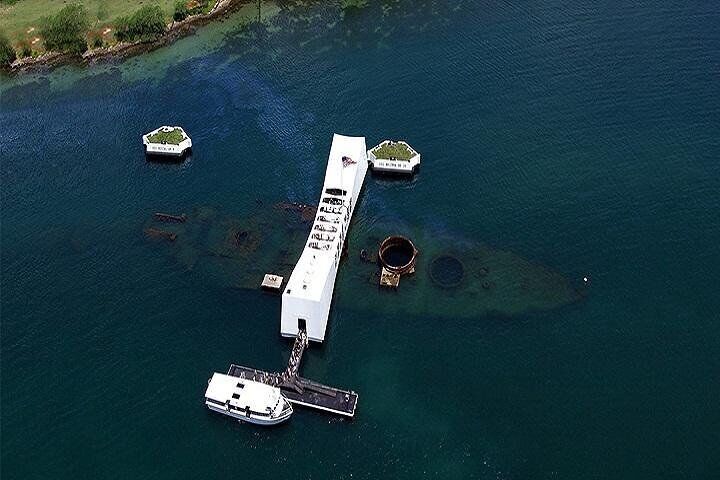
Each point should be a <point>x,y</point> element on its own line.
<point>305,392</point>
<point>299,390</point>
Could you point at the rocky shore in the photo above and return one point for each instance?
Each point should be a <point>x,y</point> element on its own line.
<point>175,31</point>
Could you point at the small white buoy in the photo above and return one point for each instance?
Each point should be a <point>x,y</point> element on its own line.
<point>585,279</point>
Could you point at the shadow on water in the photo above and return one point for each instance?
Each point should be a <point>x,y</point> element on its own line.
<point>169,159</point>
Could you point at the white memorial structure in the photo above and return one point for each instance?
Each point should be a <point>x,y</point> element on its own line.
<point>308,294</point>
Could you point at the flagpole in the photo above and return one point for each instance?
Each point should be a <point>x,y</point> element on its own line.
<point>342,185</point>
<point>342,188</point>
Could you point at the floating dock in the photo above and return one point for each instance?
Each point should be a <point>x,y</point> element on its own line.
<point>299,390</point>
<point>311,394</point>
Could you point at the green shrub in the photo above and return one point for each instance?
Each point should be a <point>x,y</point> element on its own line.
<point>145,24</point>
<point>98,42</point>
<point>102,12</point>
<point>393,150</point>
<point>174,137</point>
<point>65,31</point>
<point>203,6</point>
<point>7,52</point>
<point>122,28</point>
<point>181,11</point>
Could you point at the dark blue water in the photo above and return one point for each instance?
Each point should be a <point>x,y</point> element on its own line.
<point>583,137</point>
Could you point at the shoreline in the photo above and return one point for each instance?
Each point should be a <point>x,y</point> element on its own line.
<point>175,31</point>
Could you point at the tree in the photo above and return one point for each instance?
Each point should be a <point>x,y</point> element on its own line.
<point>181,11</point>
<point>65,31</point>
<point>7,52</point>
<point>25,50</point>
<point>145,24</point>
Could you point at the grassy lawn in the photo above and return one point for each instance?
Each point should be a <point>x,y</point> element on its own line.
<point>20,19</point>
<point>393,150</point>
<point>173,137</point>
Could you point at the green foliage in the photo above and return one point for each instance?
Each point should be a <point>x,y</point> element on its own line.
<point>98,42</point>
<point>181,10</point>
<point>353,4</point>
<point>147,23</point>
<point>184,9</point>
<point>7,52</point>
<point>174,137</point>
<point>393,150</point>
<point>25,50</point>
<point>102,12</point>
<point>204,6</point>
<point>65,31</point>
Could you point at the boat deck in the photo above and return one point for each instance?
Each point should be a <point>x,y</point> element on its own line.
<point>301,391</point>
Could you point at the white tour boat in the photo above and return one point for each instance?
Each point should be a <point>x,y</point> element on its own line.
<point>247,400</point>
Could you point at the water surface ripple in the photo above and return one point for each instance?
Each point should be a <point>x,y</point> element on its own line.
<point>582,137</point>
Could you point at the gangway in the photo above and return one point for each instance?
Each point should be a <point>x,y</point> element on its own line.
<point>299,390</point>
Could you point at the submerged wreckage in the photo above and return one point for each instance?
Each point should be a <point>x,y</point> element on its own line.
<point>454,278</point>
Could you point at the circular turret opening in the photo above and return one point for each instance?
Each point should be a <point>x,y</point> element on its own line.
<point>447,271</point>
<point>397,254</point>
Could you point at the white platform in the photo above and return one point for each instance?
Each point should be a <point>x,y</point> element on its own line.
<point>390,165</point>
<point>272,282</point>
<point>168,149</point>
<point>308,293</point>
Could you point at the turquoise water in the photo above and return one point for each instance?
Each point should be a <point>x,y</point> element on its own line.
<point>582,137</point>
